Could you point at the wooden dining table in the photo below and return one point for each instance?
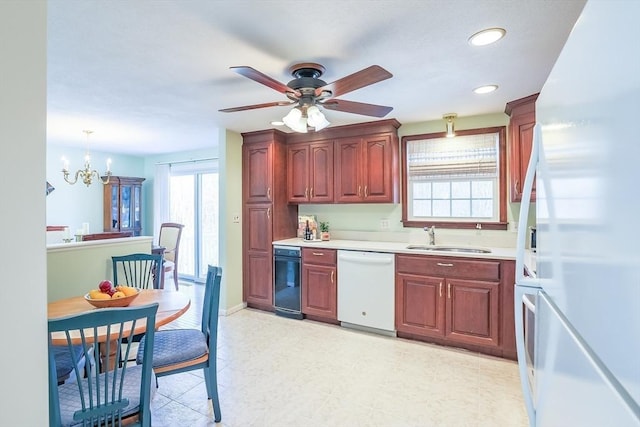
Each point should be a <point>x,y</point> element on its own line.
<point>171,305</point>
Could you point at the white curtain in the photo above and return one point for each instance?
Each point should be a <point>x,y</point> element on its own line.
<point>160,197</point>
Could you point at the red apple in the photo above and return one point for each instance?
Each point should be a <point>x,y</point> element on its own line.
<point>106,287</point>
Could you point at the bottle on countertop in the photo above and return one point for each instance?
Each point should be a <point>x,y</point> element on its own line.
<point>307,231</point>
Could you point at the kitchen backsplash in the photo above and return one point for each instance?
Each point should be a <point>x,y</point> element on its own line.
<point>367,222</point>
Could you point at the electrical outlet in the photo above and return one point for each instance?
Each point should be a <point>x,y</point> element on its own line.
<point>236,218</point>
<point>384,224</point>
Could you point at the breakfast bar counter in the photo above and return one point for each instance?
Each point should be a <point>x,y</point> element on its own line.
<point>76,267</point>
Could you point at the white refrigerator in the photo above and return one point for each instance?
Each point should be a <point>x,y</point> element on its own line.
<point>578,328</point>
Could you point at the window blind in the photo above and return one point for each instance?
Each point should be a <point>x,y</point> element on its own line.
<point>468,156</point>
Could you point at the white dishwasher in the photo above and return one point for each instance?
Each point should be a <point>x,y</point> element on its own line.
<point>366,291</point>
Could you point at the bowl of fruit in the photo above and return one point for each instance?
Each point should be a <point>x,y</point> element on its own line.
<point>108,295</point>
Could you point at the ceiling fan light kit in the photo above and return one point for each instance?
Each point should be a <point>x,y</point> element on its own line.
<point>307,91</point>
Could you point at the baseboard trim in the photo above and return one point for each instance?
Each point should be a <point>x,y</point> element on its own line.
<point>232,310</point>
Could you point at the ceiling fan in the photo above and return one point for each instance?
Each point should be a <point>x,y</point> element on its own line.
<point>307,91</point>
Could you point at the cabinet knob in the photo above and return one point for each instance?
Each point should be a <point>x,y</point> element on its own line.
<point>449,290</point>
<point>365,191</point>
<point>442,264</point>
<point>268,192</point>
<point>306,193</point>
<point>332,275</point>
<point>440,290</point>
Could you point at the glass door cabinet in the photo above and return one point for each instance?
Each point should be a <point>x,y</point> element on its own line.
<point>123,204</point>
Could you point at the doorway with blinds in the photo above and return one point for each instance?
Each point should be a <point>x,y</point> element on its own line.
<point>191,199</point>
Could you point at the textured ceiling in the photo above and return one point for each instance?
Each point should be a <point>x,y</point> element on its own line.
<point>150,76</point>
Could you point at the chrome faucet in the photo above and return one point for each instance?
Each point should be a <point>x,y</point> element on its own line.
<point>432,234</point>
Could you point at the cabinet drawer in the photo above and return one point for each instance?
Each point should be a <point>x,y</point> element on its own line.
<point>462,268</point>
<point>319,256</point>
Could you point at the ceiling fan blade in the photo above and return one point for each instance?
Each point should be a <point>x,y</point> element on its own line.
<point>262,78</point>
<point>357,80</point>
<point>357,107</point>
<point>256,106</point>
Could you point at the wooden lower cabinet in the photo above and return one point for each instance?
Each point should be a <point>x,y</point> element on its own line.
<point>258,258</point>
<point>473,312</point>
<point>420,309</point>
<point>258,271</point>
<point>319,287</point>
<point>452,307</point>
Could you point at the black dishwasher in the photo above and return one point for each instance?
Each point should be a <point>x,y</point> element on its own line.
<point>286,281</point>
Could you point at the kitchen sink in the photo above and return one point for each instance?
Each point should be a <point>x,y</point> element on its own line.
<point>450,249</point>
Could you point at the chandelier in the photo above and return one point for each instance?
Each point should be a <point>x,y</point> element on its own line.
<point>87,174</point>
<point>299,119</point>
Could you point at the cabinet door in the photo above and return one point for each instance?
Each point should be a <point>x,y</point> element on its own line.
<point>258,263</point>
<point>376,166</point>
<point>257,172</point>
<point>523,119</point>
<point>420,306</point>
<point>473,311</point>
<point>298,173</point>
<point>111,209</point>
<point>258,269</point>
<point>137,210</point>
<point>348,188</point>
<point>319,291</point>
<point>521,142</point>
<point>321,172</point>
<point>126,204</point>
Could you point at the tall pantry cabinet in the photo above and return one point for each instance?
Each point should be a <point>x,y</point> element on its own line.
<point>267,216</point>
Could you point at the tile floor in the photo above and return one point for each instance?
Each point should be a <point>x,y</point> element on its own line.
<point>274,371</point>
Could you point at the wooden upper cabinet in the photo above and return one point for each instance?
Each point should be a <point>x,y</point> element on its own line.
<point>345,164</point>
<point>310,172</point>
<point>523,119</point>
<point>258,172</point>
<point>366,170</point>
<point>321,172</point>
<point>378,160</point>
<point>348,163</point>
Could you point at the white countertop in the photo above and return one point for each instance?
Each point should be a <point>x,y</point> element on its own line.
<point>103,242</point>
<point>397,247</point>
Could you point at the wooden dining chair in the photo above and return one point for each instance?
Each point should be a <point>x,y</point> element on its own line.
<point>182,350</point>
<point>138,270</point>
<point>120,396</point>
<point>170,234</point>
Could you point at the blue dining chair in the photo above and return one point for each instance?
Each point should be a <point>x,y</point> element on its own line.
<point>112,397</point>
<point>138,270</point>
<point>65,358</point>
<point>182,350</point>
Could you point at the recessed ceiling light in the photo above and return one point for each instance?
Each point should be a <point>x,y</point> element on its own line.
<point>485,89</point>
<point>488,36</point>
<point>277,123</point>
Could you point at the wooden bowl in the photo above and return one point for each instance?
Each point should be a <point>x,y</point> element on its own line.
<point>113,302</point>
